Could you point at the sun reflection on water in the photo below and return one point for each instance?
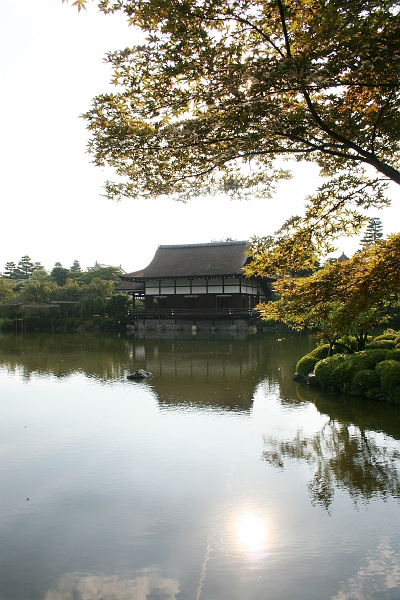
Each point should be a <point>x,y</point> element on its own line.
<point>252,532</point>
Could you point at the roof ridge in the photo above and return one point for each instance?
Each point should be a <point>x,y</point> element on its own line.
<point>234,243</point>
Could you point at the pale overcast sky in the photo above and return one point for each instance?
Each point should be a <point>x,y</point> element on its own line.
<point>51,204</point>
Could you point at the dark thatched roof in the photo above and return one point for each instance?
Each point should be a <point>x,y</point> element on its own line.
<point>216,259</point>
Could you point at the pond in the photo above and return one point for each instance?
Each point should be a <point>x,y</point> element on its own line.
<point>218,479</point>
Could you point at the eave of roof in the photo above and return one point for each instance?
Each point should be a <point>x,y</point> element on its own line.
<point>130,286</point>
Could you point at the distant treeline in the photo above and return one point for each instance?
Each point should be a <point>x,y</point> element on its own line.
<point>33,298</point>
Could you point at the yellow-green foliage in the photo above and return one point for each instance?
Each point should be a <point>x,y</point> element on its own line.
<point>389,334</point>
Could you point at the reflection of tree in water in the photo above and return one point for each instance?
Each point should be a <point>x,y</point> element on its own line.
<point>343,456</point>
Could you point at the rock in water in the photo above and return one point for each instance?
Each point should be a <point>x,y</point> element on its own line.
<point>140,374</point>
<point>311,379</point>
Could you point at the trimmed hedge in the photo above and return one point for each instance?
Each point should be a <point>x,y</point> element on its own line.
<point>393,354</point>
<point>338,371</point>
<point>306,365</point>
<point>359,361</point>
<point>366,383</point>
<point>389,375</point>
<point>320,351</point>
<point>325,369</point>
<point>373,372</point>
<point>389,334</point>
<point>382,343</point>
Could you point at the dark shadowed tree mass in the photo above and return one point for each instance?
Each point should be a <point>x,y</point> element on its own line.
<point>59,274</point>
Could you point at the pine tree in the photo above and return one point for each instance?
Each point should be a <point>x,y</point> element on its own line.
<point>10,269</point>
<point>373,232</point>
<point>38,266</point>
<point>76,267</point>
<point>25,267</point>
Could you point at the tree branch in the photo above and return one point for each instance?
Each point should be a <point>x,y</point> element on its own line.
<point>370,158</point>
<point>378,119</point>
<point>284,28</point>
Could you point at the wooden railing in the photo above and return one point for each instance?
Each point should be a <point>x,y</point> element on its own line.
<point>189,312</point>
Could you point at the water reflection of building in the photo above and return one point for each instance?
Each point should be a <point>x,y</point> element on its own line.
<point>220,373</point>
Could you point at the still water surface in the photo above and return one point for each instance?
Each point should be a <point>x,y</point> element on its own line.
<point>219,479</point>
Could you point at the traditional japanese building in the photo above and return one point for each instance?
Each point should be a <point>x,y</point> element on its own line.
<point>204,279</point>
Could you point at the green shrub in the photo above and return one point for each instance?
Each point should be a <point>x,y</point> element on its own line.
<point>6,324</point>
<point>366,383</point>
<point>97,320</point>
<point>89,324</point>
<point>110,323</point>
<point>306,365</point>
<point>389,374</point>
<point>32,322</point>
<point>70,322</point>
<point>389,334</point>
<point>393,354</point>
<point>60,322</point>
<point>320,351</point>
<point>382,343</point>
<point>359,361</point>
<point>325,368</point>
<point>337,372</point>
<point>46,323</point>
<point>265,322</point>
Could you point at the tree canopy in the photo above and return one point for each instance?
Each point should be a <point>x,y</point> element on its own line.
<point>23,270</point>
<point>220,89</point>
<point>344,298</point>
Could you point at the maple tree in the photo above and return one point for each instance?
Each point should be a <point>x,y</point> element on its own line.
<point>221,88</point>
<point>342,299</point>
